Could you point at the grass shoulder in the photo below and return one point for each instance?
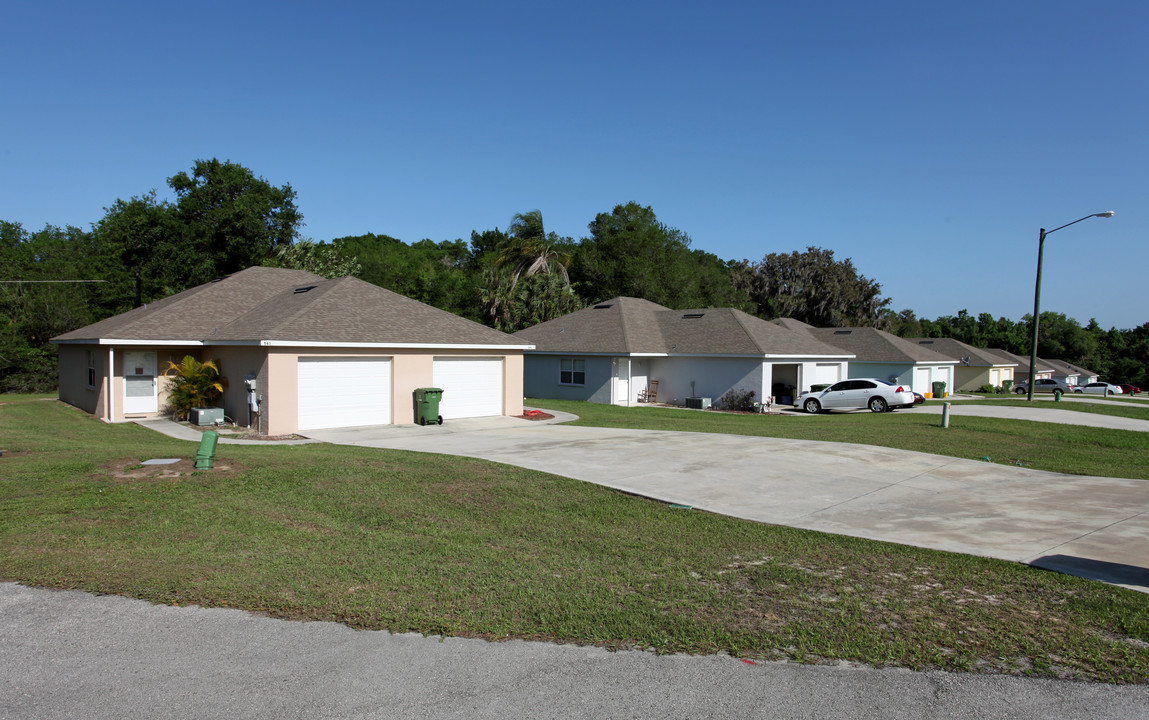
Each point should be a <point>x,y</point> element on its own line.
<point>443,545</point>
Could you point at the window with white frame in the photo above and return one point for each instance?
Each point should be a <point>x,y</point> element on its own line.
<point>91,369</point>
<point>572,372</point>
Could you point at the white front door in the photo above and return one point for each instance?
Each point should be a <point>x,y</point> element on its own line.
<point>622,381</point>
<point>140,386</point>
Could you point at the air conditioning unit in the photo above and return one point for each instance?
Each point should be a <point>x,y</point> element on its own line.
<point>206,416</point>
<point>698,403</point>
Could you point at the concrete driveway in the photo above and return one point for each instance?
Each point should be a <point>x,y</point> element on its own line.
<point>1088,526</point>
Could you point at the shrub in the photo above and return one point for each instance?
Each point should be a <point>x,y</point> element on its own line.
<point>987,389</point>
<point>194,384</point>
<point>737,399</point>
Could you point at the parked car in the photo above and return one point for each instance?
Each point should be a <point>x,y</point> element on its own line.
<point>877,395</point>
<point>1043,385</point>
<point>1129,389</point>
<point>919,398</point>
<point>1099,388</point>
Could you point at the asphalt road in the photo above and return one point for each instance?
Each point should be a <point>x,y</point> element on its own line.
<point>73,655</point>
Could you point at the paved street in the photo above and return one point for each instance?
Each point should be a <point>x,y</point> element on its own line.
<point>67,655</point>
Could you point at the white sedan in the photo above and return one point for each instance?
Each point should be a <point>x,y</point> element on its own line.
<point>1098,388</point>
<point>877,395</point>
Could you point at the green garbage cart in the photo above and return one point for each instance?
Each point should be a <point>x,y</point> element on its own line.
<point>427,405</point>
<point>939,390</point>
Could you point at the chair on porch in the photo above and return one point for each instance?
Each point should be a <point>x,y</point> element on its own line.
<point>650,394</point>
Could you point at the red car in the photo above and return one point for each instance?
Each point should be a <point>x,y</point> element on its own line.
<point>1129,389</point>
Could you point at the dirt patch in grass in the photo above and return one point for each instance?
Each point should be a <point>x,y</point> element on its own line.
<point>133,469</point>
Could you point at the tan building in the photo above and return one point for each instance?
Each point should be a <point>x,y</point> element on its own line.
<point>975,366</point>
<point>298,352</point>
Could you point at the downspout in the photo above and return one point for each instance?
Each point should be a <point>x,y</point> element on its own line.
<point>111,384</point>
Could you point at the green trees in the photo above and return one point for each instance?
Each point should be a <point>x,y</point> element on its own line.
<point>527,283</point>
<point>321,259</point>
<point>39,299</point>
<point>812,287</point>
<point>629,252</point>
<point>230,218</point>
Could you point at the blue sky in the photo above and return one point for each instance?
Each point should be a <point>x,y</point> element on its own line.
<point>927,142</point>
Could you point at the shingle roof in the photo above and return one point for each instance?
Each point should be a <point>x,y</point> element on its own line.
<point>629,325</point>
<point>194,314</point>
<point>282,306</point>
<point>1061,367</point>
<point>873,345</point>
<point>978,357</point>
<point>1022,362</point>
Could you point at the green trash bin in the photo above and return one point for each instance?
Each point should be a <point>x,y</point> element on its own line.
<point>939,390</point>
<point>427,405</point>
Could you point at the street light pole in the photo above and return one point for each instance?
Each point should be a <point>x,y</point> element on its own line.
<point>1037,296</point>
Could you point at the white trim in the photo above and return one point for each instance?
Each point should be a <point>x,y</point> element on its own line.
<point>111,373</point>
<point>289,343</point>
<point>701,355</point>
<point>141,343</point>
<point>313,344</point>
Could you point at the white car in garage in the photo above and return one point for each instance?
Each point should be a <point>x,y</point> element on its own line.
<point>856,394</point>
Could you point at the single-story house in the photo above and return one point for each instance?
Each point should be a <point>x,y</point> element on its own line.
<point>1021,372</point>
<point>299,352</point>
<point>878,354</point>
<point>1071,374</point>
<point>611,353</point>
<point>975,366</point>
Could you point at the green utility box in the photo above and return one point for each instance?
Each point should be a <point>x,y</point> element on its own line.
<point>206,453</point>
<point>939,389</point>
<point>427,405</point>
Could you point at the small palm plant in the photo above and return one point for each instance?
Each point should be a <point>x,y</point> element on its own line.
<point>194,384</point>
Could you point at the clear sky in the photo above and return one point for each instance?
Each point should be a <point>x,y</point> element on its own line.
<point>928,142</point>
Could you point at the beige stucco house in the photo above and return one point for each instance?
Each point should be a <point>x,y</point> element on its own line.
<point>318,353</point>
<point>975,366</point>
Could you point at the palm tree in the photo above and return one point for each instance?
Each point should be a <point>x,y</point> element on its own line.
<point>529,251</point>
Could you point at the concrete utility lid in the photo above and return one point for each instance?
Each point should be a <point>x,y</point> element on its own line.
<point>161,461</point>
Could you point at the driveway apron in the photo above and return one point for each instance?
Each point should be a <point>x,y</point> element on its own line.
<point>1089,526</point>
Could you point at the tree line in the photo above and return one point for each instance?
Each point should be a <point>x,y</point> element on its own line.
<point>224,218</point>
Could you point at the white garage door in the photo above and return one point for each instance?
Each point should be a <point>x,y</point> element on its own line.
<point>827,373</point>
<point>922,382</point>
<point>344,392</point>
<point>472,387</point>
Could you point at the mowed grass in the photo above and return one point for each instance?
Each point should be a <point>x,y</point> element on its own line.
<point>440,545</point>
<point>1117,406</point>
<point>1070,449</point>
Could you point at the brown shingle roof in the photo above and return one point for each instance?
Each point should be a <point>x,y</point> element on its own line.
<point>873,345</point>
<point>1022,362</point>
<point>194,314</point>
<point>630,325</point>
<point>269,304</point>
<point>978,357</point>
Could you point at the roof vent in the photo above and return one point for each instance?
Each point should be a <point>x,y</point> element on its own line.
<point>842,332</point>
<point>925,342</point>
<point>692,315</point>
<point>604,306</point>
<point>301,290</point>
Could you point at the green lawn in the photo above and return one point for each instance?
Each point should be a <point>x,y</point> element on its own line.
<point>1116,406</point>
<point>454,546</point>
<point>1044,446</point>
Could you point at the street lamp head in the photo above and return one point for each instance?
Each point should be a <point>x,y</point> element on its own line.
<point>1107,213</point>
